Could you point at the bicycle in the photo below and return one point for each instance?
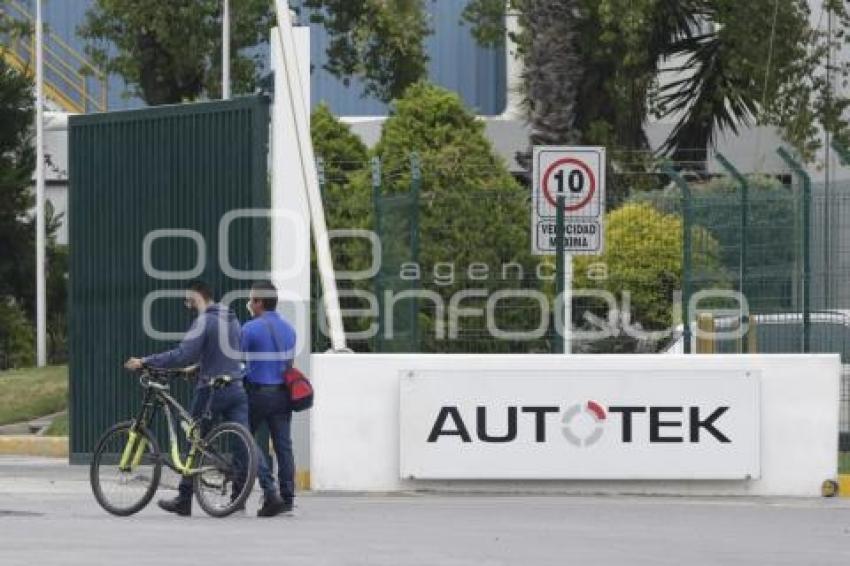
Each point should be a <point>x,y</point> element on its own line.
<point>127,463</point>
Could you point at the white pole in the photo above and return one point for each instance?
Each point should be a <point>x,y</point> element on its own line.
<point>225,51</point>
<point>295,92</point>
<point>40,293</point>
<point>568,303</point>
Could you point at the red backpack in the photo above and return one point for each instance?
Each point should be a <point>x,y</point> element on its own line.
<point>297,385</point>
<point>300,389</point>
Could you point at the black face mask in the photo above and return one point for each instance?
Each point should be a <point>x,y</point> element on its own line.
<point>193,312</point>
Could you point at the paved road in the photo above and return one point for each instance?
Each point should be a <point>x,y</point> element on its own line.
<point>47,516</point>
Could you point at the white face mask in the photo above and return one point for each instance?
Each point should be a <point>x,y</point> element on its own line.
<point>248,306</point>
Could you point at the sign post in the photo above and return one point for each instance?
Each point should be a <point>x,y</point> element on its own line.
<point>567,214</point>
<point>568,302</point>
<point>563,279</point>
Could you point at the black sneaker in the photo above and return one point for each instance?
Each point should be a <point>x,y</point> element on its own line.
<point>272,505</point>
<point>179,505</point>
<point>288,507</point>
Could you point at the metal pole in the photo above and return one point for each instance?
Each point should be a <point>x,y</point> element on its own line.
<point>40,287</point>
<point>568,302</point>
<point>687,258</point>
<point>225,51</point>
<point>379,279</point>
<point>560,346</point>
<point>295,97</point>
<point>415,186</point>
<point>807,198</point>
<point>744,226</point>
<point>825,220</point>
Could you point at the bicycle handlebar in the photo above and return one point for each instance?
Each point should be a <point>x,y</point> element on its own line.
<point>150,376</point>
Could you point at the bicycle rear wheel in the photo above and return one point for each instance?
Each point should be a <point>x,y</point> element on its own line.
<point>125,469</point>
<point>227,461</point>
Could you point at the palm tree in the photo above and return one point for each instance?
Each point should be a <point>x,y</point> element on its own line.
<point>571,86</point>
<point>553,69</point>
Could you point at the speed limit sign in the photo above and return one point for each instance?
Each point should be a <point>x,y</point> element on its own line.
<point>576,173</point>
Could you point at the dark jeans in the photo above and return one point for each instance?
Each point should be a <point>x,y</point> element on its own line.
<point>229,404</point>
<point>270,406</point>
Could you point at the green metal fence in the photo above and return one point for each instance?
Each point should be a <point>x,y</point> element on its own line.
<point>132,173</point>
<point>671,238</point>
<point>437,245</point>
<point>779,240</point>
<point>396,221</point>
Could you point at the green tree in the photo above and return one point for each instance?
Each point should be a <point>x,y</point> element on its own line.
<point>13,27</point>
<point>57,303</point>
<point>17,162</point>
<point>747,63</point>
<point>380,41</point>
<point>17,231</point>
<point>742,63</point>
<point>342,151</point>
<point>347,201</point>
<point>169,51</point>
<point>549,45</point>
<point>56,265</point>
<point>345,192</point>
<point>471,211</point>
<point>588,64</point>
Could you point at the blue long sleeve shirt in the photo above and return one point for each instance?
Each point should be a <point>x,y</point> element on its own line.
<point>267,355</point>
<point>212,334</point>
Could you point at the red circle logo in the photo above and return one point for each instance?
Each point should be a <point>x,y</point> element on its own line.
<point>580,165</point>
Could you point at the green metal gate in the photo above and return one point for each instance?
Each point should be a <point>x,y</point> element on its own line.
<point>180,167</point>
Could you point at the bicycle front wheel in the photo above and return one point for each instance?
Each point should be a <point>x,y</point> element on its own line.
<point>125,469</point>
<point>227,469</point>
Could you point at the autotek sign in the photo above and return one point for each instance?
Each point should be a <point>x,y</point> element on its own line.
<point>598,426</point>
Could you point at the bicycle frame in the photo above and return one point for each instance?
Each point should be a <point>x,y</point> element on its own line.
<point>136,444</point>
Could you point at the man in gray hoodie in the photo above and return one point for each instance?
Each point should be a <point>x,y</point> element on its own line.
<point>212,342</point>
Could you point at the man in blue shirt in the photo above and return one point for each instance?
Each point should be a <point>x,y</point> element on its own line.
<point>215,326</point>
<point>268,343</point>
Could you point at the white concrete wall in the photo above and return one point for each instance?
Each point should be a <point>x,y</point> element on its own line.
<point>355,422</point>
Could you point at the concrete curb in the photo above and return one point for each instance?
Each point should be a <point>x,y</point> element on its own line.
<point>29,445</point>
